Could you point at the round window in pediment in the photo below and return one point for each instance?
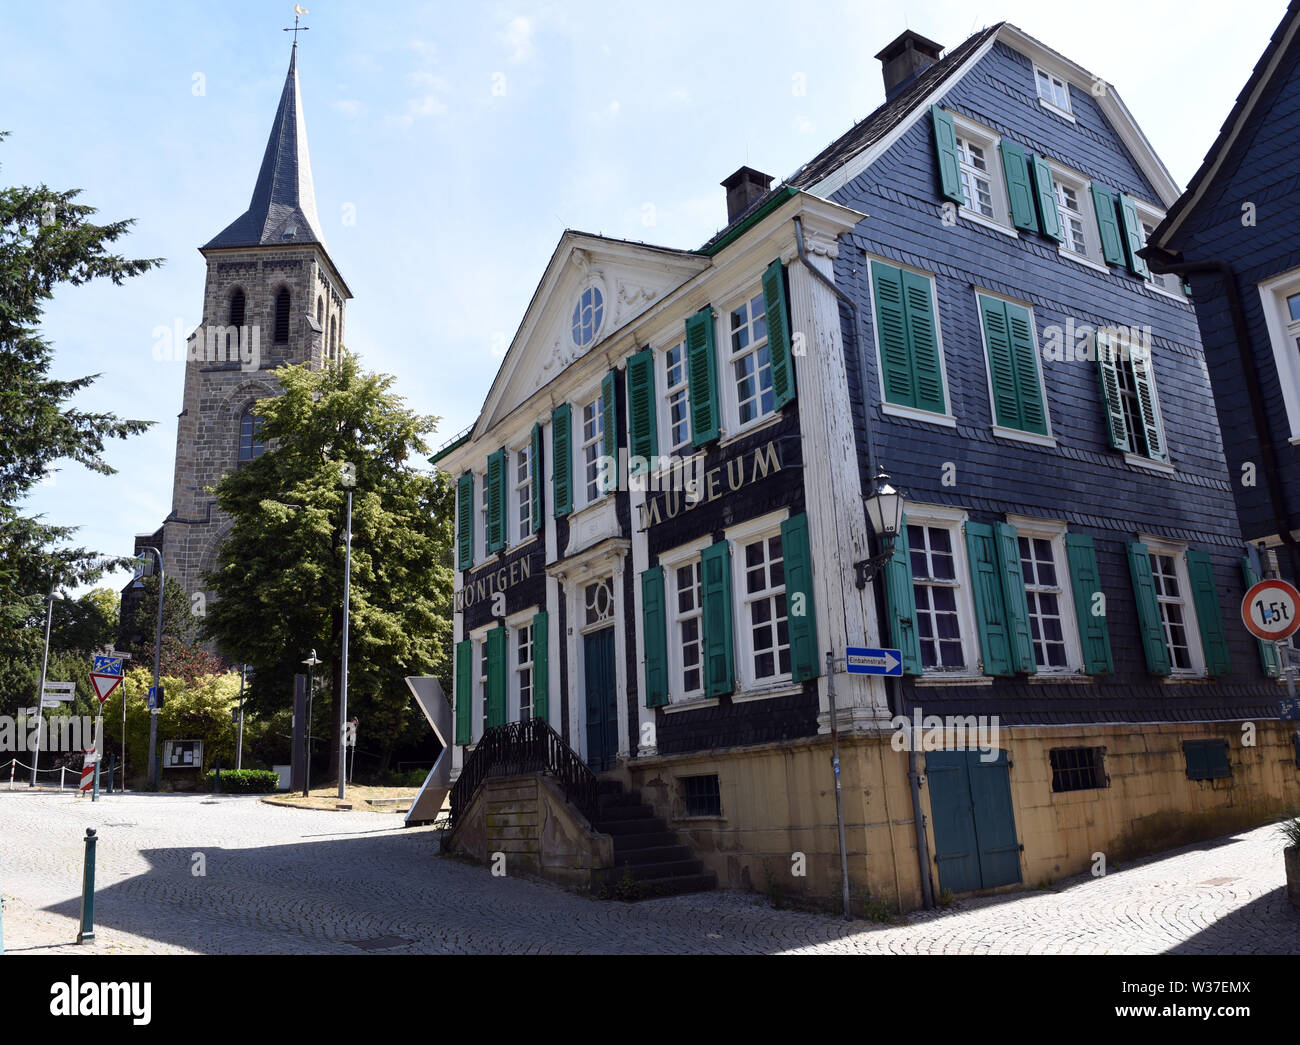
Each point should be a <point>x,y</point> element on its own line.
<point>587,314</point>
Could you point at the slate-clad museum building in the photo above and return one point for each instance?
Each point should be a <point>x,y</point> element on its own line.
<point>660,507</point>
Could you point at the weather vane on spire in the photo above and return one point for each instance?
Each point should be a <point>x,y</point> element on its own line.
<point>298,12</point>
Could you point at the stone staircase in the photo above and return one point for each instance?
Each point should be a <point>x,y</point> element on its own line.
<point>645,848</point>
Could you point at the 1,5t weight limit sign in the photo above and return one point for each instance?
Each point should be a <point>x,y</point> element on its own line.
<point>1270,610</point>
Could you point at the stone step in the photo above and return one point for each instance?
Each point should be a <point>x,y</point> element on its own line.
<point>652,854</point>
<point>631,843</point>
<point>686,883</point>
<point>644,826</point>
<point>668,869</point>
<point>610,814</point>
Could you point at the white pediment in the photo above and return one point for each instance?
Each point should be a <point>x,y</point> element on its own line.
<point>608,283</point>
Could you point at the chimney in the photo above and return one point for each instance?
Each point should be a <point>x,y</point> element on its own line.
<point>743,188</point>
<point>904,59</point>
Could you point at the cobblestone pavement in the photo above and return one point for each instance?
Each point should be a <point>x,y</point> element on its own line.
<point>295,881</point>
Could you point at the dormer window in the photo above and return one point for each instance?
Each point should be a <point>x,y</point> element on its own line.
<point>587,316</point>
<point>1053,92</point>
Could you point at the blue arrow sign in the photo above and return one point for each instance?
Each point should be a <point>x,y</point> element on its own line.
<point>151,699</point>
<point>861,661</point>
<point>108,666</point>
<point>1289,708</point>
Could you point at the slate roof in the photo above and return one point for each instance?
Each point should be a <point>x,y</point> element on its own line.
<point>283,208</point>
<point>865,133</point>
<point>1161,237</point>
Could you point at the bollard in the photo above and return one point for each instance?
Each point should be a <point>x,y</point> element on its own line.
<point>88,891</point>
<point>62,772</point>
<point>12,763</point>
<point>112,768</point>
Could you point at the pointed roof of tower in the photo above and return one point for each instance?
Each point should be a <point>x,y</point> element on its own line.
<point>283,208</point>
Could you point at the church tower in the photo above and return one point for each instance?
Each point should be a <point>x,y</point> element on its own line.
<point>273,298</point>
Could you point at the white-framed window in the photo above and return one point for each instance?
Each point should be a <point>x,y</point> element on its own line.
<point>598,603</point>
<point>982,181</point>
<point>1052,627</point>
<point>1177,613</point>
<point>1128,394</point>
<point>523,643</point>
<point>1053,91</point>
<point>763,622</point>
<point>938,591</point>
<point>688,631</point>
<point>1280,298</point>
<point>592,438</point>
<point>1148,219</point>
<point>750,361</point>
<point>677,411</point>
<point>976,181</point>
<point>523,492</point>
<point>482,683</point>
<point>1079,233</point>
<point>481,484</point>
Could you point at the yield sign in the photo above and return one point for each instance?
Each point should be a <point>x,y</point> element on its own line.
<point>104,684</point>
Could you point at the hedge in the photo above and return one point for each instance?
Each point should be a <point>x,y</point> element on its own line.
<point>245,781</point>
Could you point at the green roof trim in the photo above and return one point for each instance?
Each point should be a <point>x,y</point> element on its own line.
<point>784,193</point>
<point>455,444</point>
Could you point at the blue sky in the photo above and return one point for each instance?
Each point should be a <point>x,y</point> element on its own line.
<point>466,138</point>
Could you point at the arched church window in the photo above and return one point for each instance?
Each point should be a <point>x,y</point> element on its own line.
<point>250,436</point>
<point>237,307</point>
<point>320,312</point>
<point>282,316</point>
<point>334,340</point>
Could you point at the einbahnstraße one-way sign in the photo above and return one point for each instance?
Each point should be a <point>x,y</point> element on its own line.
<point>863,661</point>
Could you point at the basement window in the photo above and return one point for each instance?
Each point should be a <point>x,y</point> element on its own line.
<point>702,796</point>
<point>1207,759</point>
<point>1078,768</point>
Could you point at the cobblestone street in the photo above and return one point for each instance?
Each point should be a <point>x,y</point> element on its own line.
<point>293,881</point>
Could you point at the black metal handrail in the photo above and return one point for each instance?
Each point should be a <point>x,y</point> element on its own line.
<point>525,747</point>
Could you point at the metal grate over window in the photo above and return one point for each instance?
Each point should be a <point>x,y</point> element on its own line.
<point>1078,768</point>
<point>702,796</point>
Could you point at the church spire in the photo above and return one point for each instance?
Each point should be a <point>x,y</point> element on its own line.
<point>283,208</point>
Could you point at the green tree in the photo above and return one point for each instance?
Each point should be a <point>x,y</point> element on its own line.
<point>279,578</point>
<point>140,615</point>
<point>46,240</point>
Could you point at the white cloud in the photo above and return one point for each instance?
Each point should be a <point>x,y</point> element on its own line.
<point>349,107</point>
<point>426,106</point>
<point>518,37</point>
<point>803,125</point>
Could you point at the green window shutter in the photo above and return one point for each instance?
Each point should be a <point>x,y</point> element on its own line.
<point>1045,192</point>
<point>1268,657</point>
<point>924,337</point>
<point>654,621</point>
<point>1133,236</point>
<point>805,658</point>
<point>1112,243</point>
<point>1198,767</point>
<point>891,329</point>
<point>778,333</point>
<point>902,604</point>
<point>1209,619</point>
<point>1015,165</point>
<point>496,677</point>
<point>1144,380</point>
<point>702,377</point>
<point>1024,354</point>
<point>1086,583</point>
<point>465,521</point>
<point>945,143</point>
<point>609,418</point>
<point>642,433</point>
<point>1013,598</point>
<point>496,501</point>
<point>990,610</point>
<point>715,576</point>
<point>1002,369</point>
<point>541,665</point>
<point>464,689</point>
<point>539,476</point>
<point>1148,609</point>
<point>1111,397</point>
<point>562,459</point>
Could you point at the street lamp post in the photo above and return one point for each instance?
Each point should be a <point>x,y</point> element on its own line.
<point>311,663</point>
<point>239,746</point>
<point>40,695</point>
<point>157,660</point>
<point>349,480</point>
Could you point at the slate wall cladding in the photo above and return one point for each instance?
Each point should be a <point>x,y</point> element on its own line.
<point>1081,480</point>
<point>1262,169</point>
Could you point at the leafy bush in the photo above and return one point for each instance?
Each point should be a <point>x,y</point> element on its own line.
<point>245,781</point>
